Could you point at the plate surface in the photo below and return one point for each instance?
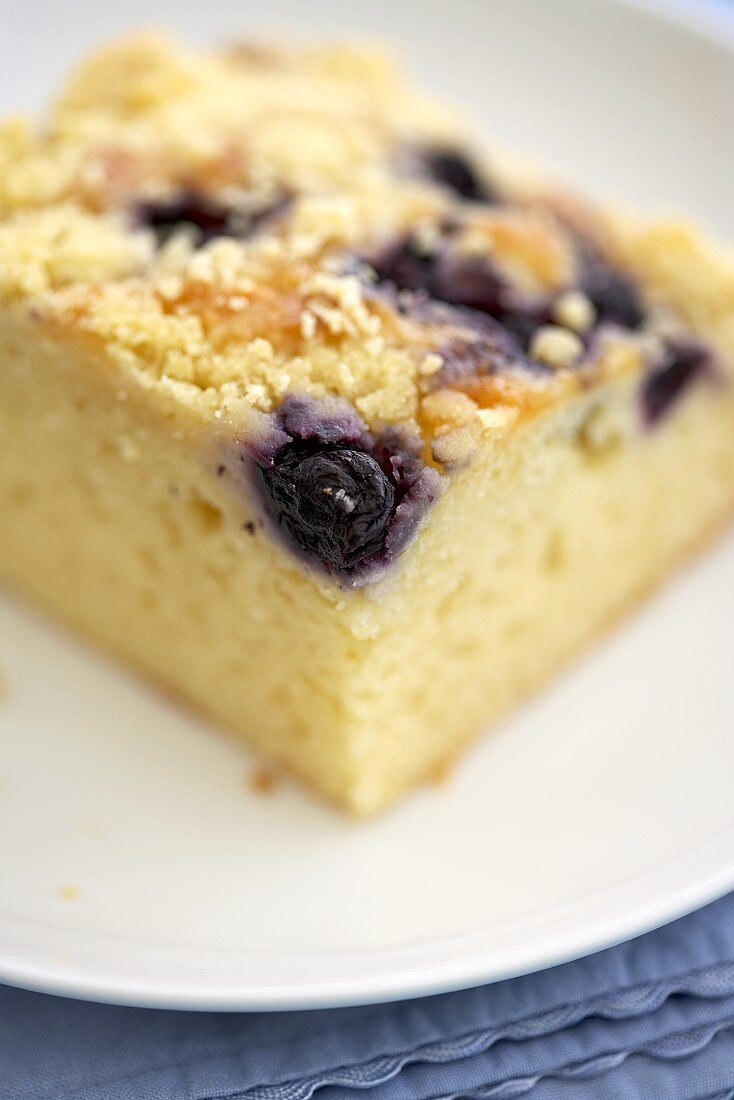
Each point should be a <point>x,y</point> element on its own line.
<point>138,865</point>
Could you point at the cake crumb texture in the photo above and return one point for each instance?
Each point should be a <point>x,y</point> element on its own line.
<point>335,424</point>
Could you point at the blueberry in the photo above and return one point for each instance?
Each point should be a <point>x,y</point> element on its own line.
<point>452,168</point>
<point>405,266</point>
<point>470,281</point>
<point>612,293</point>
<point>186,209</point>
<point>334,503</point>
<point>208,217</point>
<point>480,346</point>
<point>460,281</point>
<point>683,362</point>
<point>345,500</point>
<point>524,323</point>
<point>469,284</point>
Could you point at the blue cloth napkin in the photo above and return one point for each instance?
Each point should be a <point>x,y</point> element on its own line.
<point>652,1019</point>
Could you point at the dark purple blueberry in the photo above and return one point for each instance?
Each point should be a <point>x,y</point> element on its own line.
<point>208,217</point>
<point>469,282</point>
<point>612,293</point>
<point>524,323</point>
<point>465,294</point>
<point>454,170</point>
<point>476,344</point>
<point>346,501</point>
<point>334,503</point>
<point>443,275</point>
<point>683,362</point>
<point>405,266</point>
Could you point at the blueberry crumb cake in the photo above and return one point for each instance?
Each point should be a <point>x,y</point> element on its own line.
<point>345,431</point>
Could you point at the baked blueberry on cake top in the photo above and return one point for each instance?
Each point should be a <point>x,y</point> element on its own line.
<point>344,429</point>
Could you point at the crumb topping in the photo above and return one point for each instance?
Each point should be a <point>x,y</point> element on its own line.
<point>243,225</point>
<point>574,311</point>
<point>556,346</point>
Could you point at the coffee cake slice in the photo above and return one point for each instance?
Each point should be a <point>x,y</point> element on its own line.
<point>342,430</point>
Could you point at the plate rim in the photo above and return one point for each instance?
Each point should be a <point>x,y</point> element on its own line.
<point>385,986</point>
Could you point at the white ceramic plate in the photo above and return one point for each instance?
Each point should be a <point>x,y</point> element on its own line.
<point>137,865</point>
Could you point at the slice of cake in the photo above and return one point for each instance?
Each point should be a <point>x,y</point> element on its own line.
<point>343,432</point>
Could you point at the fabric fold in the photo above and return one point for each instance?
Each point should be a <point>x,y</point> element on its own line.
<point>652,1010</point>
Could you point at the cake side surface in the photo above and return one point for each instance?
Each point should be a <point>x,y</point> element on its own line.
<point>341,429</point>
<point>119,524</point>
<point>365,694</point>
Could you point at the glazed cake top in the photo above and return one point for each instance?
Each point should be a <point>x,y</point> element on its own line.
<point>244,226</point>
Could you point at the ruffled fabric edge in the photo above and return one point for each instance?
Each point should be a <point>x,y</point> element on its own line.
<point>714,982</point>
<point>671,1048</point>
